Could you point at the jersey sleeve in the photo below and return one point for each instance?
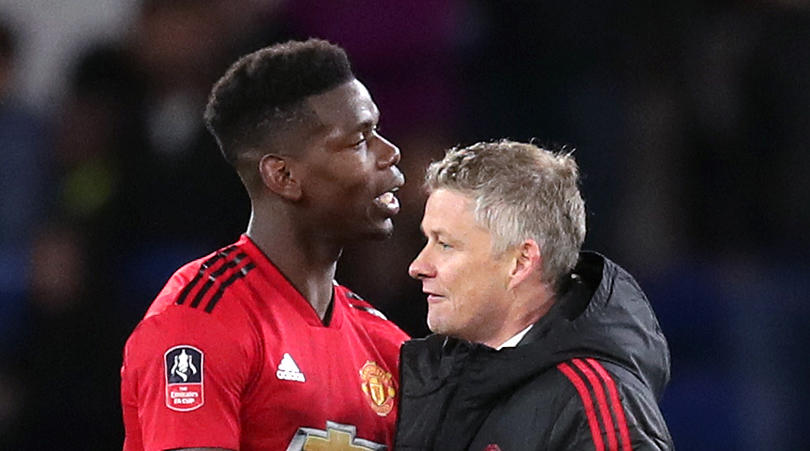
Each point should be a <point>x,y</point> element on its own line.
<point>182,378</point>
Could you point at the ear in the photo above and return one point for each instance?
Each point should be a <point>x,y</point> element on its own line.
<point>277,176</point>
<point>527,262</point>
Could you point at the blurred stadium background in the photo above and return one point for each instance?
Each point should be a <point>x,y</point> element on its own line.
<point>690,119</point>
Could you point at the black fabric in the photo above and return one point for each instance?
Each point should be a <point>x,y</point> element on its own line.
<point>458,395</point>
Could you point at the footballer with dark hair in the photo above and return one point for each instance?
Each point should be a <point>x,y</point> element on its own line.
<point>255,346</point>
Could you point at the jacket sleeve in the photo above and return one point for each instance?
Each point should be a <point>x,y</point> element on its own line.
<point>599,412</point>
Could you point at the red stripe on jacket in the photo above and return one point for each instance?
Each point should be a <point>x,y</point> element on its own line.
<point>616,403</point>
<point>607,420</point>
<point>590,412</point>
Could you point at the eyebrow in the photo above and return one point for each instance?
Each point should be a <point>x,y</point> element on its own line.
<point>370,122</point>
<point>437,232</point>
<point>366,125</point>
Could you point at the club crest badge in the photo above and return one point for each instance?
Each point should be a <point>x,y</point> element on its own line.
<point>184,378</point>
<point>378,387</point>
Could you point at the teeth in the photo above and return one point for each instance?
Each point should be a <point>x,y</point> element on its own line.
<point>388,200</point>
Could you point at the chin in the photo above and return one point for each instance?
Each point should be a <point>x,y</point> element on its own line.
<point>369,235</point>
<point>436,325</point>
<point>368,230</point>
<point>383,235</point>
<point>381,232</point>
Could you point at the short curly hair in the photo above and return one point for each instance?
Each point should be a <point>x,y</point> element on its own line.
<point>519,191</point>
<point>266,89</point>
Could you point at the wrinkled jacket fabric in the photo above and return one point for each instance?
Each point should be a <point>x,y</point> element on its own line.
<point>456,395</point>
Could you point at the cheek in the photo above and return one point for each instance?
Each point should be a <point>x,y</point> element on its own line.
<point>482,291</point>
<point>464,279</point>
<point>476,295</point>
<point>340,174</point>
<point>353,191</point>
<point>464,301</point>
<point>342,196</point>
<point>480,279</point>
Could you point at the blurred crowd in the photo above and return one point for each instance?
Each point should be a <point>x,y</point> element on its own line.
<point>690,120</point>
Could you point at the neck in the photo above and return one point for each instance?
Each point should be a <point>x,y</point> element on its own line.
<point>530,304</point>
<point>305,260</point>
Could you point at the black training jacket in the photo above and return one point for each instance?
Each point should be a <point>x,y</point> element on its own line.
<point>587,376</point>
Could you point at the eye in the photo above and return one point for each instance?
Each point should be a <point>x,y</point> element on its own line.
<point>362,140</point>
<point>443,245</point>
<point>367,135</point>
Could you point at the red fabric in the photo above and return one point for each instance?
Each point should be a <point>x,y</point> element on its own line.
<point>590,412</point>
<point>256,317</point>
<point>618,409</point>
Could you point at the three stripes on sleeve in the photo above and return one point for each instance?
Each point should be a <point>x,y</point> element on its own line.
<point>591,380</point>
<point>219,271</point>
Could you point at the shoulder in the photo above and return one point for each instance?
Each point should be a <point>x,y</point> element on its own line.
<point>203,283</point>
<point>603,403</point>
<point>181,326</point>
<point>230,351</point>
<point>199,304</point>
<point>361,311</point>
<point>357,303</point>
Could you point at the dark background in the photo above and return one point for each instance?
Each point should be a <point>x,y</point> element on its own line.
<point>690,120</point>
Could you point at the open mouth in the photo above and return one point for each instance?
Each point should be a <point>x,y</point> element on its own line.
<point>388,201</point>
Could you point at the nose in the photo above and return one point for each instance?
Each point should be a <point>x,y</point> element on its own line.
<point>388,152</point>
<point>420,268</point>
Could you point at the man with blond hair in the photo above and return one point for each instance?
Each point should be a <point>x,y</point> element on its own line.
<point>537,345</point>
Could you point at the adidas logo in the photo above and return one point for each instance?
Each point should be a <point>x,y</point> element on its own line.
<point>288,370</point>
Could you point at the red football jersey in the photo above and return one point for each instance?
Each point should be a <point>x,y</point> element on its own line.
<point>231,355</point>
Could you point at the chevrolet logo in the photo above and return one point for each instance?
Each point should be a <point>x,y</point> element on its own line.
<point>336,437</point>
